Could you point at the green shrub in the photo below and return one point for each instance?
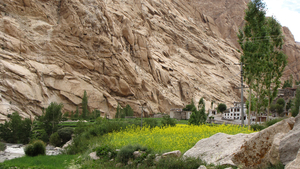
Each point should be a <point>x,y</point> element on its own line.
<point>271,122</point>
<point>277,166</point>
<point>38,147</point>
<point>2,146</point>
<point>126,152</point>
<point>257,127</point>
<point>106,152</point>
<point>55,140</point>
<point>40,134</point>
<point>65,134</point>
<point>167,121</point>
<point>151,122</point>
<point>179,163</point>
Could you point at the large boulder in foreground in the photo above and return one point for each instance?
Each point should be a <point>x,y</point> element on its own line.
<point>255,153</point>
<point>295,164</point>
<point>290,143</point>
<point>219,148</point>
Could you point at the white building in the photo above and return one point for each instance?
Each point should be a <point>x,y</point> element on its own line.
<point>235,113</point>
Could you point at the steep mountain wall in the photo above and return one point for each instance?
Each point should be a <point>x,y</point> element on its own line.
<point>157,53</point>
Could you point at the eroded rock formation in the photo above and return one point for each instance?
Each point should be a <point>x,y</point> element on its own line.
<point>158,53</point>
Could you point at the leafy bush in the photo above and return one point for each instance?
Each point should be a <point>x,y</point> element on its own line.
<point>79,145</point>
<point>167,121</point>
<point>277,166</point>
<point>257,127</point>
<point>65,134</point>
<point>2,146</point>
<point>126,152</point>
<point>271,122</point>
<point>38,147</point>
<point>55,140</point>
<point>40,134</point>
<point>106,152</point>
<point>179,163</point>
<point>189,107</point>
<point>151,122</point>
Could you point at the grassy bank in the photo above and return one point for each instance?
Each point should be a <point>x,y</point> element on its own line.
<point>42,162</point>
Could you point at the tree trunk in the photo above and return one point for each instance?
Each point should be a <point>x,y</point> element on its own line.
<point>249,109</point>
<point>269,104</point>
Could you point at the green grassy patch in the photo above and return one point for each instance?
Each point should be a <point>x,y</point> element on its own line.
<point>43,162</point>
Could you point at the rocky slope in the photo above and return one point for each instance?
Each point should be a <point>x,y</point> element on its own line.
<point>160,54</point>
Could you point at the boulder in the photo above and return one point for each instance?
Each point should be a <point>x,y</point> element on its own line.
<point>274,151</point>
<point>290,143</point>
<point>94,156</point>
<point>137,154</point>
<point>67,144</point>
<point>219,148</point>
<point>202,167</point>
<point>176,153</point>
<point>295,164</point>
<point>254,153</point>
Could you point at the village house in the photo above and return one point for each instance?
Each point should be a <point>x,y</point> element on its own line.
<point>180,114</point>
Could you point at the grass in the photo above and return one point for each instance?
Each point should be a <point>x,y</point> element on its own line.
<point>45,162</point>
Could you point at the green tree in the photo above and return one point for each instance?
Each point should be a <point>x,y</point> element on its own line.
<point>276,61</point>
<point>119,111</point>
<point>16,130</point>
<point>51,118</point>
<point>189,107</point>
<point>296,103</point>
<point>85,111</point>
<point>222,107</point>
<point>198,116</point>
<point>280,106</point>
<point>128,110</point>
<point>261,40</point>
<point>289,104</point>
<point>76,115</point>
<point>96,113</point>
<point>212,104</point>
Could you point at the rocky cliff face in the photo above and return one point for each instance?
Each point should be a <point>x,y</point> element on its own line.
<point>157,53</point>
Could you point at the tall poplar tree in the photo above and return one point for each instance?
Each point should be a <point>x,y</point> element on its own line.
<point>85,111</point>
<point>250,39</point>
<point>263,62</point>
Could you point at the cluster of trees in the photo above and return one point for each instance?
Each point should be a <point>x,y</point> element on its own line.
<point>85,114</point>
<point>198,116</point>
<point>123,112</point>
<point>18,130</point>
<point>263,60</point>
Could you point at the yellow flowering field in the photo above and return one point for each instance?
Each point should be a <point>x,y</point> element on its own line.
<point>182,137</point>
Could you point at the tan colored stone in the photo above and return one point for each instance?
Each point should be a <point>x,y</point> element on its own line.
<point>175,153</point>
<point>255,152</point>
<point>295,164</point>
